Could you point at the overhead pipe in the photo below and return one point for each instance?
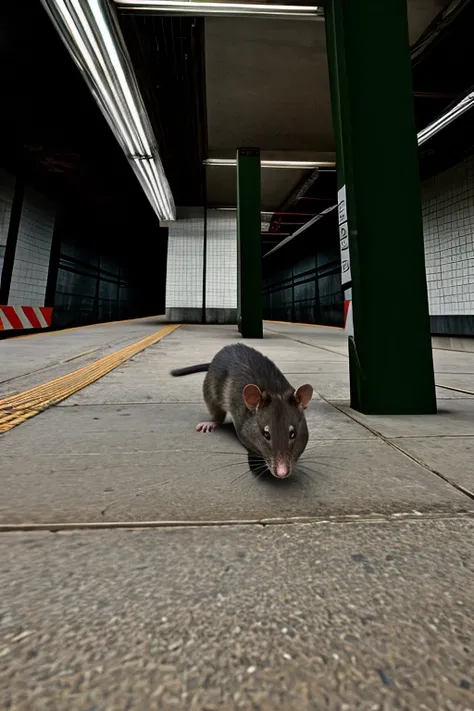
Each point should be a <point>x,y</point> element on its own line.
<point>300,190</point>
<point>92,35</point>
<point>302,229</point>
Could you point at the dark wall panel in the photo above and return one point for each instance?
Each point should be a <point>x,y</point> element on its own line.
<point>302,281</point>
<point>105,275</point>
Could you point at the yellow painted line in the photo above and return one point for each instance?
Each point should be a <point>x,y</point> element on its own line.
<point>311,325</point>
<point>80,328</point>
<point>16,409</point>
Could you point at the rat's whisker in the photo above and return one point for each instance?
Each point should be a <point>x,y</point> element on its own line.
<point>256,458</point>
<point>261,469</point>
<point>305,473</point>
<point>253,483</point>
<point>240,476</point>
<point>257,471</point>
<point>226,466</point>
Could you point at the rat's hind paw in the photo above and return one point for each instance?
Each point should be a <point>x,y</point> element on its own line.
<point>206,426</point>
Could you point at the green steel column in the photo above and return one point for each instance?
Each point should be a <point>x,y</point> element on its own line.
<point>391,366</point>
<point>249,250</point>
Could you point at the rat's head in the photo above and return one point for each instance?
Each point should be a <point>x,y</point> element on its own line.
<point>276,428</point>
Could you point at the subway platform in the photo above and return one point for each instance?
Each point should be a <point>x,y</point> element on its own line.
<point>143,566</point>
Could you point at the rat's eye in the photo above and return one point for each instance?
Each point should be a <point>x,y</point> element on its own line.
<point>266,432</point>
<point>292,432</point>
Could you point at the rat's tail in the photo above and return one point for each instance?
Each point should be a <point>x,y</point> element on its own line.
<point>203,368</point>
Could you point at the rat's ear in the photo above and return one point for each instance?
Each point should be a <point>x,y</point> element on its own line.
<point>303,395</point>
<point>252,396</point>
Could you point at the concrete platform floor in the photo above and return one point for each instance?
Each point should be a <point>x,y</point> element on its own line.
<point>360,599</point>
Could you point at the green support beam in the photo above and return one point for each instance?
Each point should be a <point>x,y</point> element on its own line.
<point>249,249</point>
<point>391,365</point>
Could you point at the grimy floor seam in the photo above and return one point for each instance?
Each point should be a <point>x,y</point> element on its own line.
<point>391,443</point>
<point>50,366</point>
<point>311,345</point>
<point>373,518</point>
<point>59,331</point>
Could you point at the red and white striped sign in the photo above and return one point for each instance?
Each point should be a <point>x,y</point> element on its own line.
<point>348,325</point>
<point>14,318</point>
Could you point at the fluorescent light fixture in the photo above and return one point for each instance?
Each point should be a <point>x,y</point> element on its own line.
<point>91,33</point>
<point>264,213</point>
<point>281,164</point>
<point>447,118</point>
<point>222,9</point>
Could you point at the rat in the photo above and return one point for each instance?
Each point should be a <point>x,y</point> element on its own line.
<point>268,413</point>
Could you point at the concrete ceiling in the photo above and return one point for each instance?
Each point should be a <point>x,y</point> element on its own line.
<point>267,85</point>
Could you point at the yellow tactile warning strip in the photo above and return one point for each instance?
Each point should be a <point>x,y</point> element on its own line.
<point>16,409</point>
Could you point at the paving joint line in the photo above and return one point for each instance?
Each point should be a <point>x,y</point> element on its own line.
<point>456,390</point>
<point>306,325</point>
<point>56,331</point>
<point>303,343</point>
<point>65,361</point>
<point>377,518</point>
<point>49,366</point>
<point>397,448</point>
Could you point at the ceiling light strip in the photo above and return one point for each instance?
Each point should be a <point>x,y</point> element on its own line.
<point>222,9</point>
<point>280,164</point>
<point>91,33</point>
<point>458,110</point>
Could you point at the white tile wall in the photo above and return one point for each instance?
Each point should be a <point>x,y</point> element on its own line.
<point>185,261</point>
<point>221,272</point>
<point>7,189</point>
<point>448,223</point>
<point>35,234</point>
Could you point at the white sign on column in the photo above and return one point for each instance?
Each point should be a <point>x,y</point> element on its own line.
<point>346,276</point>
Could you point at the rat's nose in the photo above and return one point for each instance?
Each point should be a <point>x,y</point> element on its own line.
<point>282,469</point>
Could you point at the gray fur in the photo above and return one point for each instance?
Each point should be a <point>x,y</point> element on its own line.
<point>236,366</point>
